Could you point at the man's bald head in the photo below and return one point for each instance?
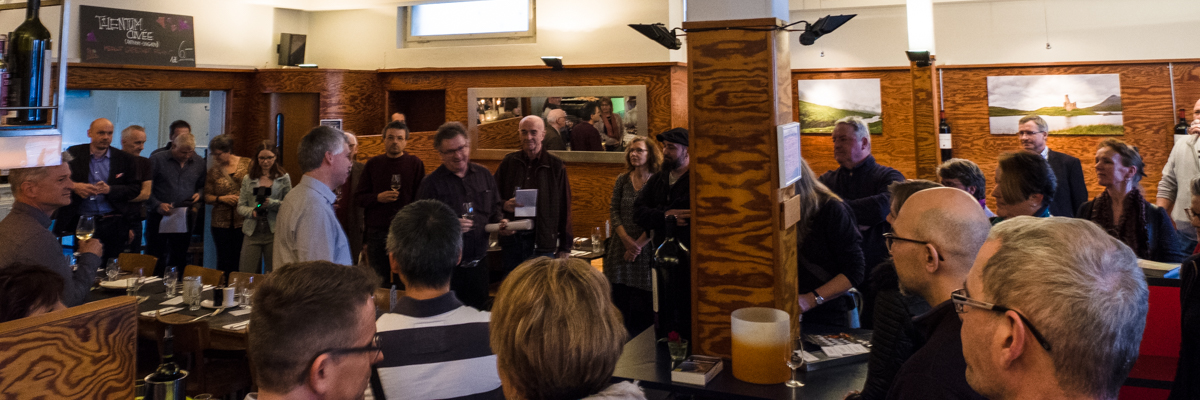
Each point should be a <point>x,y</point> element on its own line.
<point>532,131</point>
<point>948,218</point>
<point>557,118</point>
<point>100,123</point>
<point>101,134</point>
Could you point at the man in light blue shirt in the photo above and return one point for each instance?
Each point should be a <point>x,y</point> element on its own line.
<point>307,228</point>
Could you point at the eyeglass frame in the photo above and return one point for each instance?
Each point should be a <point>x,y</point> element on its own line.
<point>960,299</point>
<point>375,346</point>
<point>1030,133</point>
<point>1191,214</point>
<point>890,238</point>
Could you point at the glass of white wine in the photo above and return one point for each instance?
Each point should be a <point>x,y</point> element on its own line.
<point>85,228</point>
<point>396,182</point>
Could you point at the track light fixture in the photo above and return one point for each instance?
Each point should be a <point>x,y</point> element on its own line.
<point>659,33</point>
<point>822,27</point>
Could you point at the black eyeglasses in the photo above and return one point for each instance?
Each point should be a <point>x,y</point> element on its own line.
<point>890,238</point>
<point>375,348</point>
<point>960,299</point>
<point>1191,214</point>
<point>455,150</point>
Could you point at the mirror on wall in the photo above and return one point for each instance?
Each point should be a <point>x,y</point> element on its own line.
<point>614,115</point>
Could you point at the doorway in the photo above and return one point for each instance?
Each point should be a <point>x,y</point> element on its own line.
<point>299,113</point>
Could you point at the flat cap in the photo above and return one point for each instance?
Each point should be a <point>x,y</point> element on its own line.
<point>675,135</point>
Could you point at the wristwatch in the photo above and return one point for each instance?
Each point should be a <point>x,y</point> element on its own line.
<point>820,300</point>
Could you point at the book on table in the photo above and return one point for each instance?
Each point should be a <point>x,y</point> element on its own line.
<point>696,370</point>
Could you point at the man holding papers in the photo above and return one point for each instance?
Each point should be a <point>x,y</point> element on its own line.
<point>177,184</point>
<point>532,174</point>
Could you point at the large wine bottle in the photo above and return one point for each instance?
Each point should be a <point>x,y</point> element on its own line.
<point>1182,127</point>
<point>167,370</point>
<point>4,78</point>
<point>28,60</point>
<point>673,285</point>
<point>944,138</point>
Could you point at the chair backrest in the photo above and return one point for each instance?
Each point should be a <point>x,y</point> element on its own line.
<point>132,261</point>
<point>84,352</point>
<point>241,277</point>
<point>207,276</point>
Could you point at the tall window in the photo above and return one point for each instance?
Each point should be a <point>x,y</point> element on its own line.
<point>479,19</point>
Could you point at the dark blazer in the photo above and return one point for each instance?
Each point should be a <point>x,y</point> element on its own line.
<point>1165,244</point>
<point>124,179</point>
<point>1071,191</point>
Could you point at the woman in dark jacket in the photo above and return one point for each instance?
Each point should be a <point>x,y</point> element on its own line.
<point>1123,211</point>
<point>830,261</point>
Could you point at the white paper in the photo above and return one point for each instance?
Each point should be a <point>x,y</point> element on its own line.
<point>808,357</point>
<point>173,301</point>
<point>175,221</point>
<point>527,198</point>
<point>237,326</point>
<point>239,312</point>
<point>518,225</point>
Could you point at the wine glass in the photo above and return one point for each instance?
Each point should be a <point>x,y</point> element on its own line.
<point>170,278</point>
<point>113,269</point>
<point>85,228</point>
<point>468,210</point>
<point>396,182</point>
<point>134,283</point>
<point>796,358</point>
<point>247,291</point>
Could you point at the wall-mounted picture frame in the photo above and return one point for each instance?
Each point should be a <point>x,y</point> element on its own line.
<point>332,123</point>
<point>1071,105</point>
<point>822,102</point>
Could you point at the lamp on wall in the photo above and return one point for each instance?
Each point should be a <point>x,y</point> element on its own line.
<point>922,58</point>
<point>822,27</point>
<point>920,32</point>
<point>554,62</point>
<point>659,33</point>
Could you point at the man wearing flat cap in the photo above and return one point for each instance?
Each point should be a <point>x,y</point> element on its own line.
<point>667,194</point>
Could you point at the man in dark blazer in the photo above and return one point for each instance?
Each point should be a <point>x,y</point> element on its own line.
<point>105,180</point>
<point>1072,191</point>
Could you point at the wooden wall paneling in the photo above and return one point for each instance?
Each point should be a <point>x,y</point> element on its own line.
<point>85,352</point>
<point>1187,86</point>
<point>895,147</point>
<point>352,96</point>
<point>739,254</point>
<point>1145,96</point>
<point>925,122</point>
<point>500,134</point>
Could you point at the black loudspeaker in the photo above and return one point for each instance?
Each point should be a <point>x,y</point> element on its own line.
<point>291,49</point>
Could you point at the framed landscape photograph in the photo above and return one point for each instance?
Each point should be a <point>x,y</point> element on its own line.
<point>824,101</point>
<point>1073,105</point>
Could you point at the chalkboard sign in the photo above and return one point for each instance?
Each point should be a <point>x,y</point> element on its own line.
<point>115,36</point>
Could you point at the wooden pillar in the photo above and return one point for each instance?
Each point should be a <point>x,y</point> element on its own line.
<point>925,121</point>
<point>739,90</point>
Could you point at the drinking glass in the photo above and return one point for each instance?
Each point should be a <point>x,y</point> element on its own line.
<point>113,269</point>
<point>134,283</point>
<point>396,182</point>
<point>191,292</point>
<point>468,210</point>
<point>93,197</point>
<point>796,358</point>
<point>247,291</point>
<point>170,277</point>
<point>85,228</point>
<point>597,240</point>
<point>237,285</point>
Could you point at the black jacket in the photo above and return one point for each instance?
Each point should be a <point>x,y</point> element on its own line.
<point>832,246</point>
<point>895,338</point>
<point>658,196</point>
<point>1071,190</point>
<point>1187,387</point>
<point>124,179</point>
<point>547,174</point>
<point>1165,245</point>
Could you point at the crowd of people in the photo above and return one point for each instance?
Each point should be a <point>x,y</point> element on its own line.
<point>1042,296</point>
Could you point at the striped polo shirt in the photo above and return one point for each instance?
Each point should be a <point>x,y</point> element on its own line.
<point>436,349</point>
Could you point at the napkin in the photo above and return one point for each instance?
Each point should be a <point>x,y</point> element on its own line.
<point>239,312</point>
<point>173,301</point>
<point>237,326</point>
<point>162,311</point>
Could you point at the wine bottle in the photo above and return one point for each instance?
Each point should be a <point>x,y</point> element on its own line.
<point>28,64</point>
<point>944,138</point>
<point>167,370</point>
<point>4,78</point>
<point>673,285</point>
<point>1182,127</point>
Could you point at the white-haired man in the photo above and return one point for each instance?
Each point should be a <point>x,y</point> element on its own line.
<point>863,184</point>
<point>556,120</point>
<point>307,228</point>
<point>1054,308</point>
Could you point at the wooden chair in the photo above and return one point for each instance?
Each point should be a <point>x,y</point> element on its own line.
<point>241,276</point>
<point>84,352</point>
<point>383,299</point>
<point>132,261</point>
<point>218,372</point>
<point>207,276</point>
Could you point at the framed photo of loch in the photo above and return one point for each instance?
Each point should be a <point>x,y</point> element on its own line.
<point>1072,105</point>
<point>116,36</point>
<point>822,102</point>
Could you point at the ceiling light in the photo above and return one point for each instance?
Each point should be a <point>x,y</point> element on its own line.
<point>659,33</point>
<point>822,27</point>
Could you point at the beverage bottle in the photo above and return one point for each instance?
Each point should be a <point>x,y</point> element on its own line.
<point>1182,127</point>
<point>28,63</point>
<point>944,138</point>
<point>672,285</point>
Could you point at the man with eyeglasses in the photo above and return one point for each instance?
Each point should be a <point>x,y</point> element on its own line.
<point>437,346</point>
<point>1183,165</point>
<point>1053,308</point>
<point>312,332</point>
<point>937,234</point>
<point>1071,191</point>
<point>455,183</point>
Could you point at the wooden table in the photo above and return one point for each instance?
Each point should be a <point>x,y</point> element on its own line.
<point>647,361</point>
<point>220,338</point>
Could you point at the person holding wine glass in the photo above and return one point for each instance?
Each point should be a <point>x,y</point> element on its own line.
<point>106,179</point>
<point>627,260</point>
<point>26,235</point>
<point>389,182</point>
<point>222,189</point>
<point>263,190</point>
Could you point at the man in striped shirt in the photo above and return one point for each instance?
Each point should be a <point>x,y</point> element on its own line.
<point>434,347</point>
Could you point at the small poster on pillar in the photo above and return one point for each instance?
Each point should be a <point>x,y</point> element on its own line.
<point>822,102</point>
<point>116,36</point>
<point>1071,105</point>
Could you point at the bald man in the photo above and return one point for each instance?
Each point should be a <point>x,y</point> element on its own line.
<point>533,167</point>
<point>555,121</point>
<point>105,181</point>
<point>133,141</point>
<point>935,239</point>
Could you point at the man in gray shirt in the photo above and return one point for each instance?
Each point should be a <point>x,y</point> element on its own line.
<point>178,182</point>
<point>26,236</point>
<point>307,228</point>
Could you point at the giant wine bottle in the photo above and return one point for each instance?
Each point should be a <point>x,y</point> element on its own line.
<point>673,285</point>
<point>28,63</point>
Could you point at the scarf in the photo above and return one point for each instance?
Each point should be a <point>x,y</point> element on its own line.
<point>610,128</point>
<point>1131,228</point>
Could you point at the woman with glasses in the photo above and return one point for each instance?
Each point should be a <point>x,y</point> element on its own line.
<point>1025,185</point>
<point>627,260</point>
<point>262,193</point>
<point>221,190</point>
<point>830,260</point>
<point>1123,211</point>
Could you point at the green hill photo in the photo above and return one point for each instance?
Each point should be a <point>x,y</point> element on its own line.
<point>816,118</point>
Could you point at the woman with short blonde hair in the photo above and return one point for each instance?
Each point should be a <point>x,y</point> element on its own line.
<point>556,333</point>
